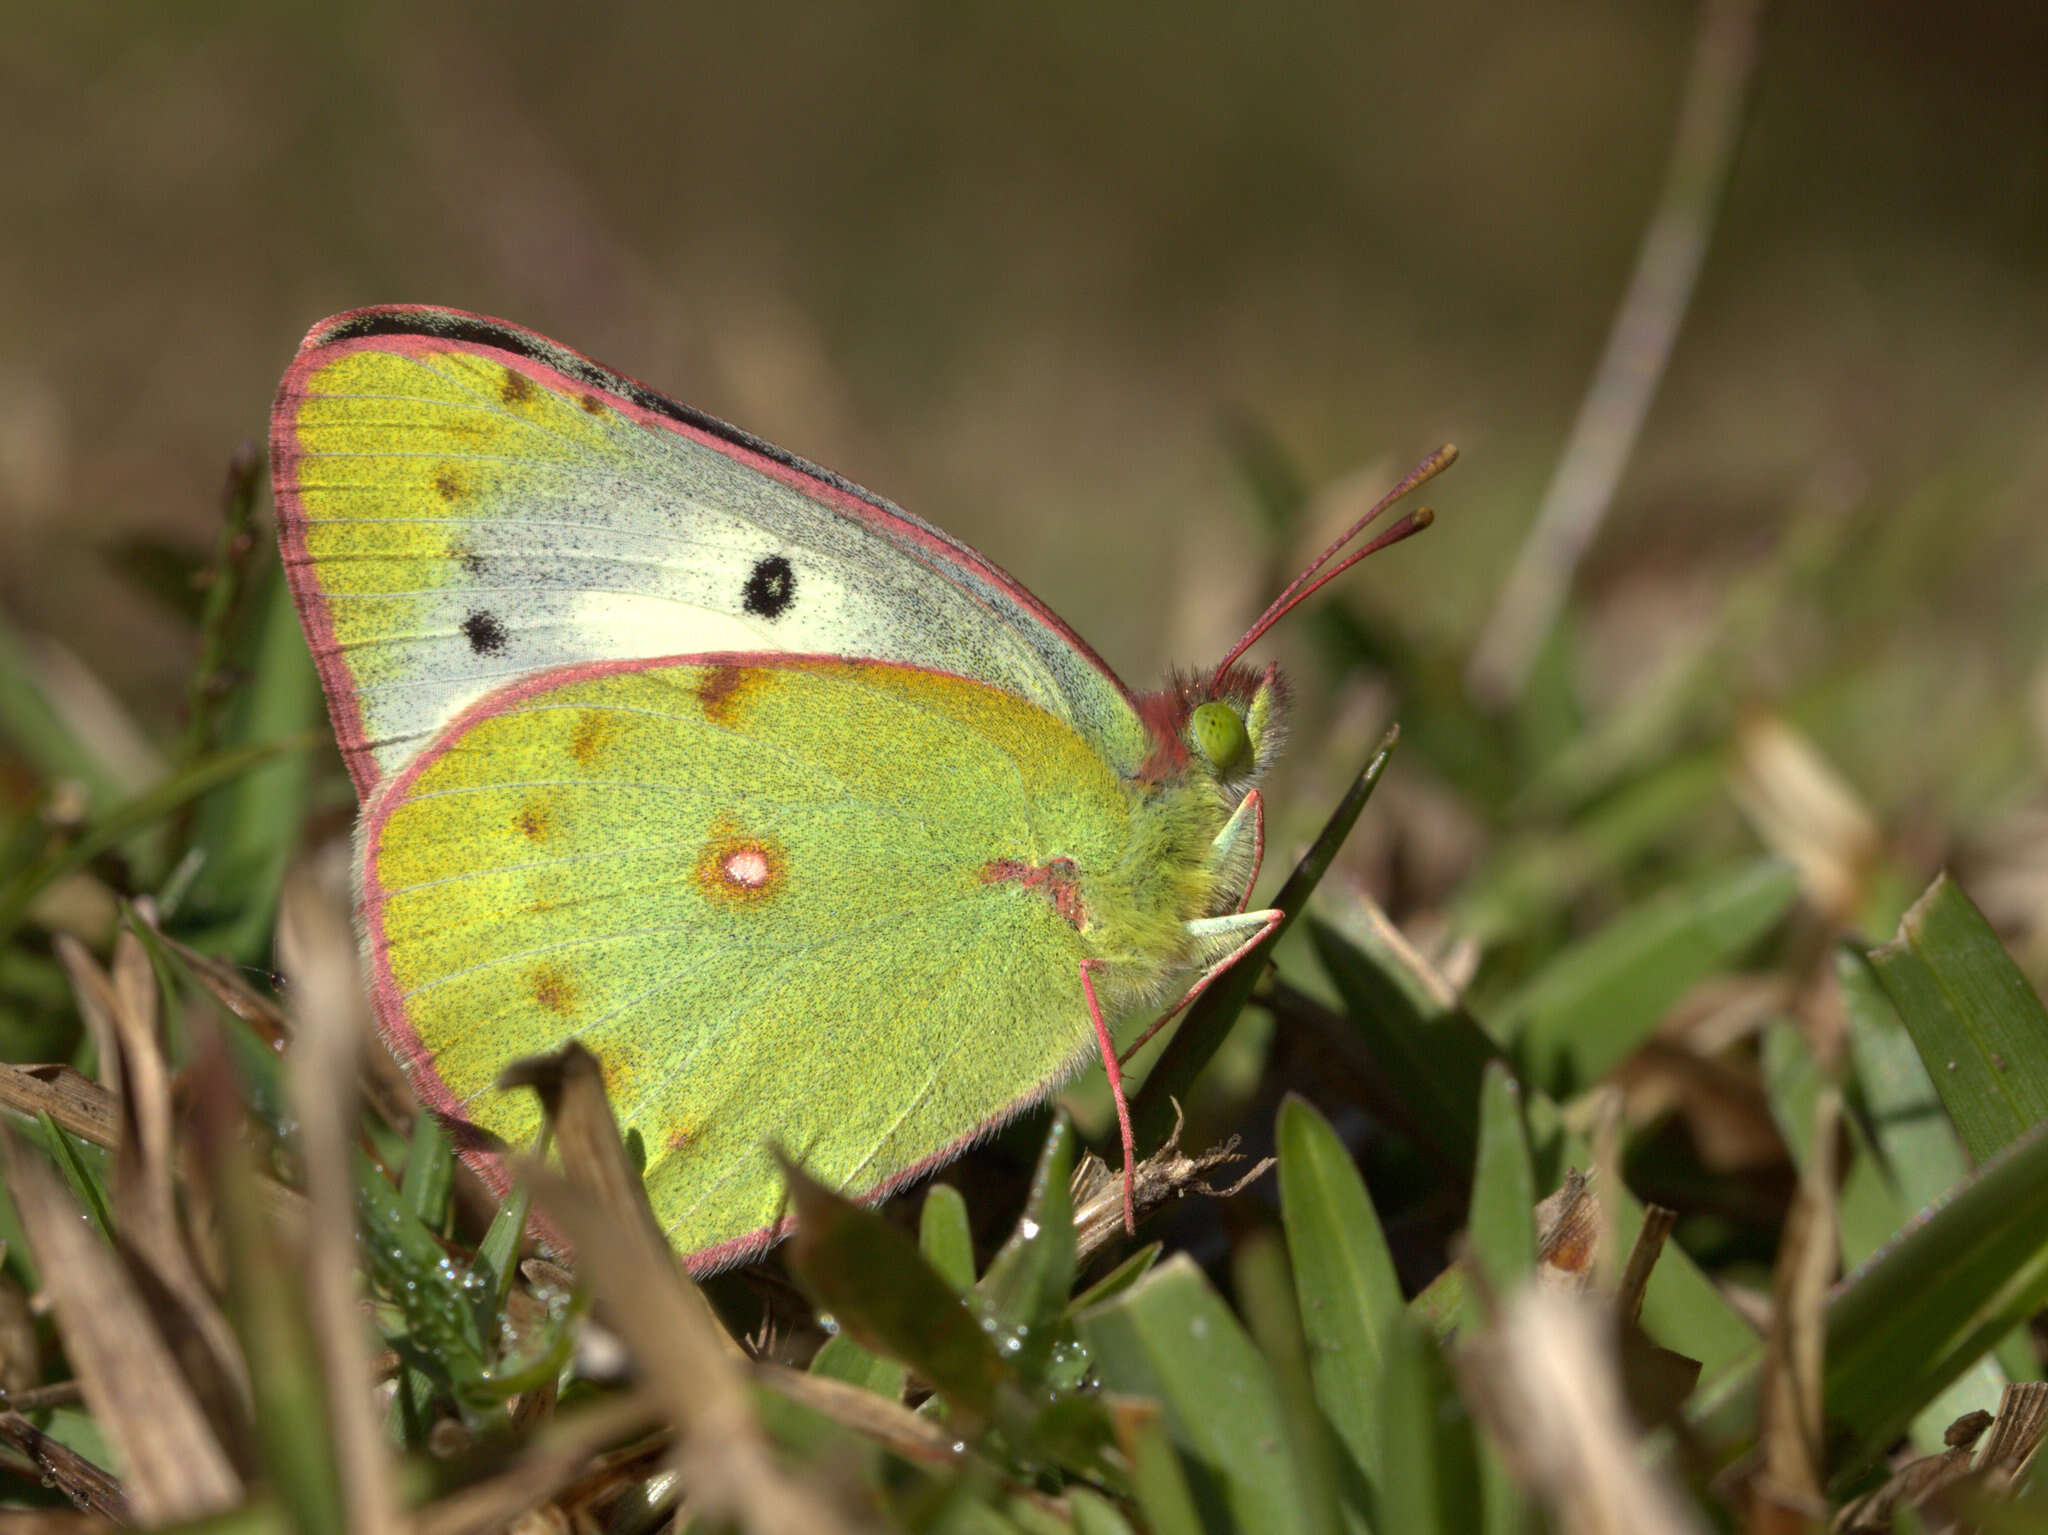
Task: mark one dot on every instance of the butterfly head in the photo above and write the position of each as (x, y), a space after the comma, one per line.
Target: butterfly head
(1227, 725)
(1224, 727)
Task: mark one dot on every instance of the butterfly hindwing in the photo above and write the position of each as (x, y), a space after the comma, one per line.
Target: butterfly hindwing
(777, 896)
(463, 503)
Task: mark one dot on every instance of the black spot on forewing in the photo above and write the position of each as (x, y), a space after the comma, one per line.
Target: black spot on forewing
(486, 635)
(771, 588)
(472, 563)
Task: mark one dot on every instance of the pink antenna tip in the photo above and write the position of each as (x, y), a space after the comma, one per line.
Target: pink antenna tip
(1316, 577)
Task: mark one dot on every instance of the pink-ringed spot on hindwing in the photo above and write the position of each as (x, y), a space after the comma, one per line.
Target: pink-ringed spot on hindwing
(738, 870)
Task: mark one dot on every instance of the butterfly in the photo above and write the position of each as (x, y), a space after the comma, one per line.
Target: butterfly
(818, 829)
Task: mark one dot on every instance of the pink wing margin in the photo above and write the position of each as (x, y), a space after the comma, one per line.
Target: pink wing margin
(422, 330)
(483, 1154)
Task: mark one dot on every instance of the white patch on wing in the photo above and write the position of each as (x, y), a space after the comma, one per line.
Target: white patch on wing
(630, 624)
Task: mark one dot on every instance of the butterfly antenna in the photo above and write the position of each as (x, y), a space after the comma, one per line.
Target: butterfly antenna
(1316, 577)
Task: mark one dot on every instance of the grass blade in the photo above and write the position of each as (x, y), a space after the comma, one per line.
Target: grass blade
(1266, 1295)
(1118, 1279)
(133, 815)
(840, 1358)
(1595, 1003)
(1424, 1041)
(1161, 1482)
(948, 1246)
(1343, 1275)
(247, 830)
(945, 1237)
(870, 1276)
(1907, 1323)
(1428, 1476)
(1922, 1159)
(429, 1175)
(1172, 1338)
(1974, 1019)
(87, 1185)
(1024, 1292)
(1502, 1228)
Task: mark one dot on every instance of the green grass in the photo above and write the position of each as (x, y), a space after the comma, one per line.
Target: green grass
(1638, 974)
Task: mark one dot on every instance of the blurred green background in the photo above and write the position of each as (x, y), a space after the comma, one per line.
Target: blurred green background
(1140, 300)
(1020, 268)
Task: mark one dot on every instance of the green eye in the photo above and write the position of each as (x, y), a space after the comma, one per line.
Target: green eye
(1219, 734)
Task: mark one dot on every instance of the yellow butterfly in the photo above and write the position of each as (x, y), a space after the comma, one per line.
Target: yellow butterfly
(816, 827)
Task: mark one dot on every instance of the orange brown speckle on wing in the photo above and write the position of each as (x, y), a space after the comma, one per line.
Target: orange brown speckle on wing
(723, 689)
(593, 728)
(620, 1066)
(554, 990)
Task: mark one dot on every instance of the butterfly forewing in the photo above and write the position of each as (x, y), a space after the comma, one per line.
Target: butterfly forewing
(463, 503)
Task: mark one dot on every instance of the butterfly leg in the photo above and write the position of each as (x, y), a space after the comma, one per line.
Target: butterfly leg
(1237, 854)
(1113, 1069)
(1239, 849)
(1251, 926)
